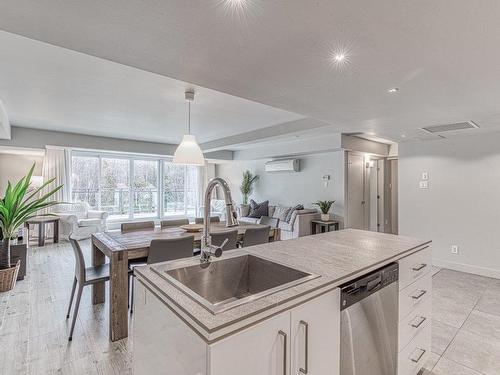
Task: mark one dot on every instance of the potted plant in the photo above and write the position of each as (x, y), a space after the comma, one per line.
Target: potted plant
(246, 186)
(325, 207)
(17, 206)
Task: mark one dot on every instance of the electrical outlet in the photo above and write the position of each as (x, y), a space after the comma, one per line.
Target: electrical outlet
(425, 176)
(454, 249)
(423, 184)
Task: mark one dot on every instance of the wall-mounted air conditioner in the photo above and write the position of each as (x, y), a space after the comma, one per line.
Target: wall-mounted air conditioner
(283, 165)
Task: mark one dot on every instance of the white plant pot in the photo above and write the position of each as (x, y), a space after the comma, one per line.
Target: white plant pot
(325, 217)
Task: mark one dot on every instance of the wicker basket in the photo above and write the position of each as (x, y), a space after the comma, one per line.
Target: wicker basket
(8, 277)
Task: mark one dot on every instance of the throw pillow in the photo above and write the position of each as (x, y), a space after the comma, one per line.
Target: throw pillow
(281, 212)
(292, 210)
(257, 210)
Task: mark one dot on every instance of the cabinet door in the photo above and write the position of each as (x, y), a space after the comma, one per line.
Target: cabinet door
(315, 330)
(263, 349)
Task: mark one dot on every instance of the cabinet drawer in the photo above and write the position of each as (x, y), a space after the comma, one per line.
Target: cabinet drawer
(412, 358)
(414, 295)
(413, 267)
(414, 323)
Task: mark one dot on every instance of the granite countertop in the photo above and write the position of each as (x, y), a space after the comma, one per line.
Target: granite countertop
(336, 257)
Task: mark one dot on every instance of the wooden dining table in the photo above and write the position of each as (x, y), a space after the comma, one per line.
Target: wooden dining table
(119, 247)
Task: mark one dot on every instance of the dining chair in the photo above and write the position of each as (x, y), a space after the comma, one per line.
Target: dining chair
(256, 236)
(84, 276)
(219, 238)
(174, 222)
(163, 250)
(213, 219)
(132, 227)
(273, 222)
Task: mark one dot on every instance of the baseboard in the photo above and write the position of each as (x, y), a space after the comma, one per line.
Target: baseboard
(483, 271)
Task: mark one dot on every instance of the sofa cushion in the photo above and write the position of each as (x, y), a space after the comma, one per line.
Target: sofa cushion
(249, 220)
(257, 210)
(292, 210)
(280, 213)
(270, 213)
(285, 226)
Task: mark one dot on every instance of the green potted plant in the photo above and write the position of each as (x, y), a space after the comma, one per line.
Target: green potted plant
(16, 207)
(325, 207)
(246, 186)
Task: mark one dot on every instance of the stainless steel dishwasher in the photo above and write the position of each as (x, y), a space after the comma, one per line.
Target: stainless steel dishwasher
(369, 323)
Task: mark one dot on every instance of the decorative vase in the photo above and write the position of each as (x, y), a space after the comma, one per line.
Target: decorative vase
(325, 217)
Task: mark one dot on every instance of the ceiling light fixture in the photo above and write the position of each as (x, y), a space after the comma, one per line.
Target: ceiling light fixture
(189, 152)
(340, 56)
(393, 90)
(234, 6)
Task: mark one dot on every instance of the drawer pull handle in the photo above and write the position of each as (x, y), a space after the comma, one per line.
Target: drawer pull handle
(419, 295)
(305, 370)
(285, 339)
(421, 321)
(419, 267)
(419, 357)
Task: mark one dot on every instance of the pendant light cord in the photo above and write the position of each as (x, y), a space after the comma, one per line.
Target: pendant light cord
(189, 117)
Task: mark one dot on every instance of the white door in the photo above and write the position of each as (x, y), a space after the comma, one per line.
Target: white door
(356, 213)
(315, 329)
(263, 349)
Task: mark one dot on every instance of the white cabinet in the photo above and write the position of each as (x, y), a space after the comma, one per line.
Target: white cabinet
(415, 309)
(262, 349)
(315, 339)
(304, 340)
(165, 344)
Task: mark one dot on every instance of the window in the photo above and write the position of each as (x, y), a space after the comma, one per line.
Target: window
(180, 190)
(145, 188)
(134, 188)
(115, 187)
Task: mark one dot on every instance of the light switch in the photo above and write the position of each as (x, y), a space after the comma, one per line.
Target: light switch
(425, 176)
(424, 184)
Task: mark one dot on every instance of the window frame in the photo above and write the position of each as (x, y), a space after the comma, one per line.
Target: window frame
(160, 214)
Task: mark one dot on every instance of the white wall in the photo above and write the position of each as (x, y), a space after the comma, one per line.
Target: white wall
(13, 167)
(462, 204)
(290, 189)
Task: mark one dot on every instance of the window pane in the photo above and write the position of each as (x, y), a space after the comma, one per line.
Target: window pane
(173, 189)
(145, 185)
(115, 187)
(191, 190)
(84, 180)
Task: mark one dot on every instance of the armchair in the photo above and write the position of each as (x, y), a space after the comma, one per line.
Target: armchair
(79, 220)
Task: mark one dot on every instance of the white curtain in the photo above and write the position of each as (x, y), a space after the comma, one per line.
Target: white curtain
(57, 164)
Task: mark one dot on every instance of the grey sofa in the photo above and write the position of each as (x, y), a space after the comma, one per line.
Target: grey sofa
(298, 226)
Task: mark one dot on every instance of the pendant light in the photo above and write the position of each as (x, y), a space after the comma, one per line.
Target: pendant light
(189, 152)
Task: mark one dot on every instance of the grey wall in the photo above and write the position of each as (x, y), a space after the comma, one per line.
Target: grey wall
(290, 189)
(13, 167)
(461, 206)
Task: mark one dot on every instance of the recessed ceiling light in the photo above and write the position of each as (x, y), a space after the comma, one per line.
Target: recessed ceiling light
(340, 56)
(403, 136)
(393, 89)
(234, 6)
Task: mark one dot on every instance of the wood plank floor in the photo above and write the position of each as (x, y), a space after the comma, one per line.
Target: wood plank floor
(34, 329)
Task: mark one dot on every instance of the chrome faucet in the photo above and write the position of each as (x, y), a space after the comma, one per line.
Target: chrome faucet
(207, 249)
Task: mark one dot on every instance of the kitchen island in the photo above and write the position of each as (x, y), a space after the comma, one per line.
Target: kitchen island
(290, 331)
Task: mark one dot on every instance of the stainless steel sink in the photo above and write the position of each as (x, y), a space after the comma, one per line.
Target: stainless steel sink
(231, 282)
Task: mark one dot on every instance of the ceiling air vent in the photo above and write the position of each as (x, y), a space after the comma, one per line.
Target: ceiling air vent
(451, 127)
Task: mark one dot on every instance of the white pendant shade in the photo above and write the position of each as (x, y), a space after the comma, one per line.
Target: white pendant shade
(188, 152)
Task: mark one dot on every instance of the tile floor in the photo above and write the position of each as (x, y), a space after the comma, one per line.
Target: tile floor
(33, 328)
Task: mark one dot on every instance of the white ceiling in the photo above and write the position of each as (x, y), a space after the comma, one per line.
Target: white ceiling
(49, 87)
(443, 55)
